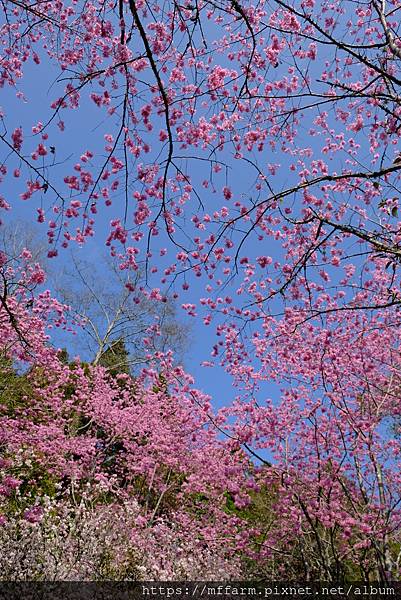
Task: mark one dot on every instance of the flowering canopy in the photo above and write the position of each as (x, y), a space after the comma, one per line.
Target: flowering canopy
(300, 253)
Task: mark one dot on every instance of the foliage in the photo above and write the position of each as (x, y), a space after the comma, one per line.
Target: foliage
(115, 358)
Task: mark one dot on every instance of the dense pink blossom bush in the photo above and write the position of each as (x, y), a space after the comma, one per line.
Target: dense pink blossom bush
(105, 476)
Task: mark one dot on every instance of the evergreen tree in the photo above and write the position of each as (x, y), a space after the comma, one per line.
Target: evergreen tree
(116, 358)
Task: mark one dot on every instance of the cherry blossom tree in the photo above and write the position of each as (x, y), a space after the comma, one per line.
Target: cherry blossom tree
(334, 477)
(80, 449)
(299, 253)
(188, 88)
